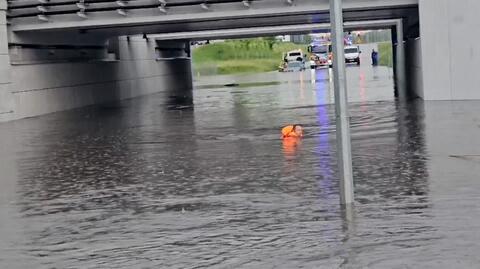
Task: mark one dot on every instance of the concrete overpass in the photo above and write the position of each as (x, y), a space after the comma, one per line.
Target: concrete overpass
(115, 18)
(60, 54)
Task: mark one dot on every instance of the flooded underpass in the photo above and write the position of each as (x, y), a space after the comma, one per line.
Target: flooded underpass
(143, 184)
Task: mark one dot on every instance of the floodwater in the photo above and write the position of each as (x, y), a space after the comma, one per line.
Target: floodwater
(143, 184)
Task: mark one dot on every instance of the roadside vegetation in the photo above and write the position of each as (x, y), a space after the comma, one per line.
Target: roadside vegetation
(385, 53)
(241, 56)
(255, 55)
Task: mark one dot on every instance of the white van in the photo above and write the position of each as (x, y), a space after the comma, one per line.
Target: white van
(352, 54)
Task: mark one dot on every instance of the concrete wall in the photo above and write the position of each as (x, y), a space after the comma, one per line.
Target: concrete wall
(6, 99)
(413, 54)
(450, 49)
(39, 88)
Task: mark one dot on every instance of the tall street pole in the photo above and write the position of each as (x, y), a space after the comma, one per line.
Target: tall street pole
(344, 151)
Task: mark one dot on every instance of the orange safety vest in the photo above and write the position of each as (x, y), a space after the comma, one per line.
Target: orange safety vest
(289, 131)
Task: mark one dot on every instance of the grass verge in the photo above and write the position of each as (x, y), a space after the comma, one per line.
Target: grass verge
(241, 56)
(385, 51)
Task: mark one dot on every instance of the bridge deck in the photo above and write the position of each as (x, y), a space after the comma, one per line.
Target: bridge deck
(108, 17)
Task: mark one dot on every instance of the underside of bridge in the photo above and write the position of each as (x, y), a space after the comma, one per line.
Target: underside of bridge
(107, 18)
(82, 52)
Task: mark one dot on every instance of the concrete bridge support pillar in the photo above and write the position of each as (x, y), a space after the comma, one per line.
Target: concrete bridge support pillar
(6, 97)
(176, 55)
(413, 55)
(399, 61)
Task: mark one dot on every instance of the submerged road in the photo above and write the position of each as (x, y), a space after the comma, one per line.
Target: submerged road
(142, 184)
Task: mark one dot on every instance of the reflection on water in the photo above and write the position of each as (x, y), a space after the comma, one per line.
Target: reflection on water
(139, 185)
(290, 146)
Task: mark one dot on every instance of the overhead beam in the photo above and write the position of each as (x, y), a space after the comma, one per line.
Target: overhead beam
(272, 30)
(111, 19)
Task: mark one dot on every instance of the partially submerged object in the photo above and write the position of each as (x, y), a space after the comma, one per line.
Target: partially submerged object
(294, 130)
(292, 67)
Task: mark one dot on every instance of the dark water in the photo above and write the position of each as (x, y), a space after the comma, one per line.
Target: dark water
(142, 184)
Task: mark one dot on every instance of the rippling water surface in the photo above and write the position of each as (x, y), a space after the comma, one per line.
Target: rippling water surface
(143, 184)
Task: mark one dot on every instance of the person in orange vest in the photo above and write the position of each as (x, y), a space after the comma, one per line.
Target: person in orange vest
(292, 131)
(291, 139)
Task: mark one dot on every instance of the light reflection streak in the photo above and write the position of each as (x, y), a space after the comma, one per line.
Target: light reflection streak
(323, 144)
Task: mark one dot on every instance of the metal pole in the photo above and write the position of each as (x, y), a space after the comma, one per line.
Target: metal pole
(344, 151)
